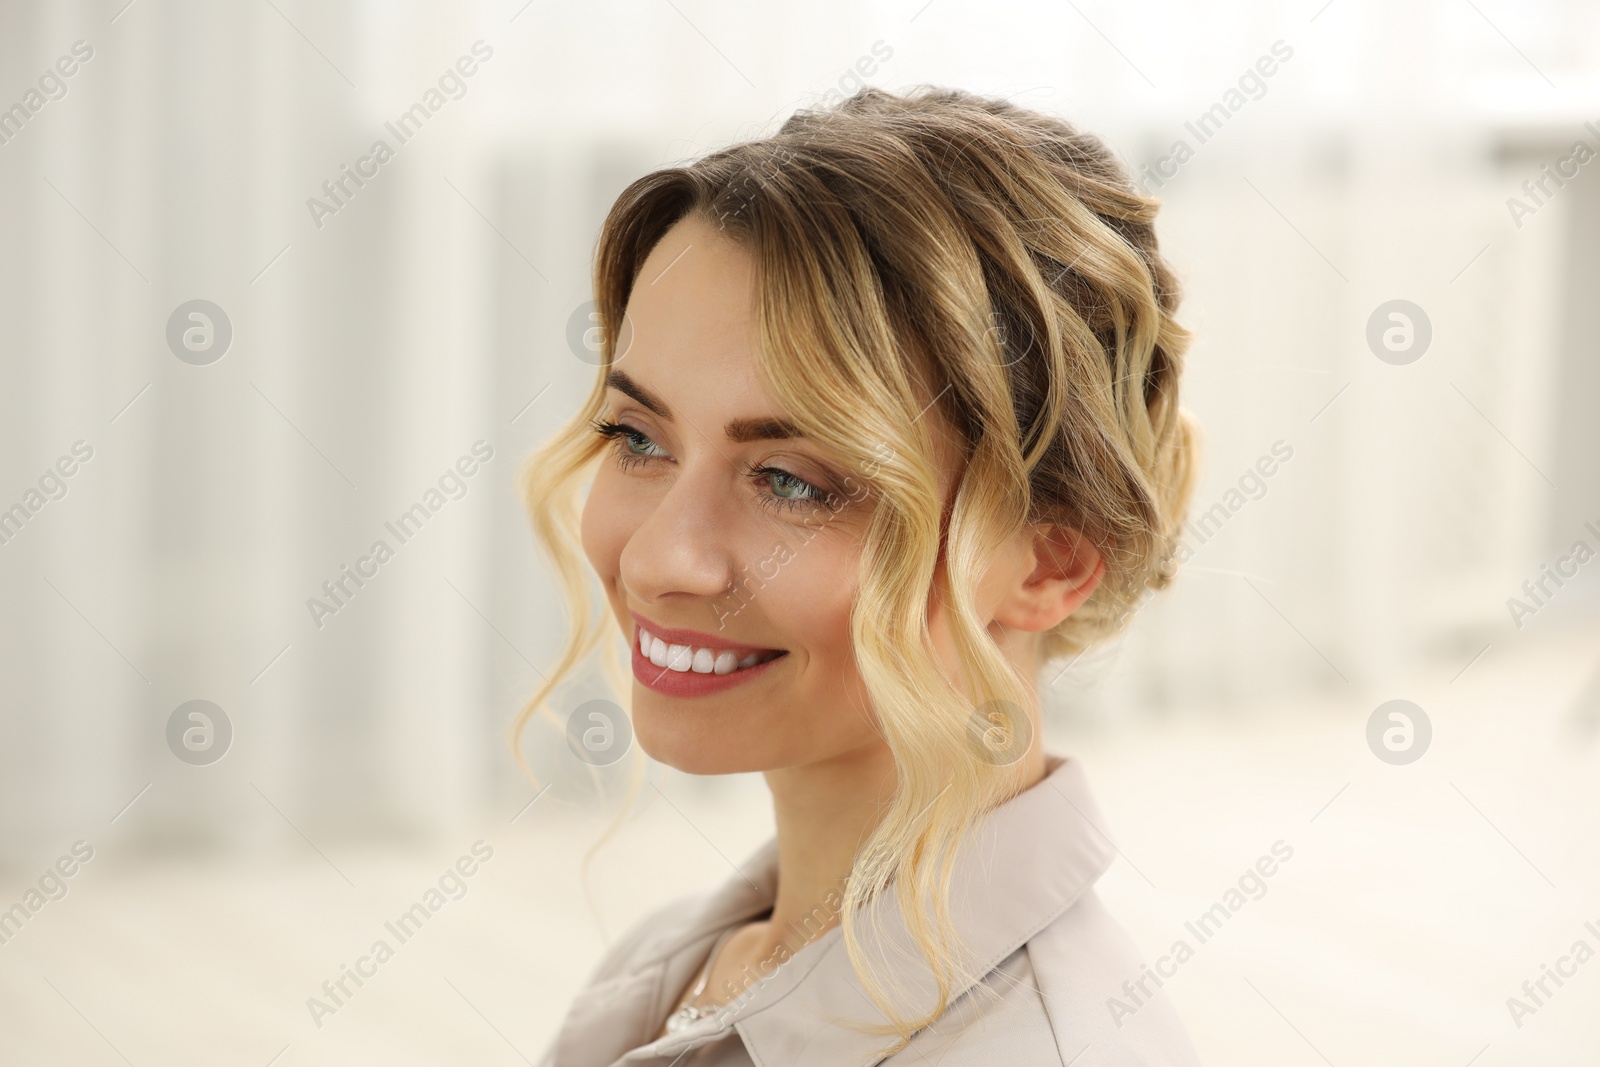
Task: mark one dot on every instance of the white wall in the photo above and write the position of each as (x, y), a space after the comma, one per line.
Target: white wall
(425, 314)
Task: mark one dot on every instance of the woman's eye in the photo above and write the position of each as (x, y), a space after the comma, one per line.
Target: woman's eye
(789, 491)
(777, 488)
(787, 485)
(638, 444)
(631, 445)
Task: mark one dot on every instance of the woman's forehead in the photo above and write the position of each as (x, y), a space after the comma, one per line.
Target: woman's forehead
(693, 319)
(694, 261)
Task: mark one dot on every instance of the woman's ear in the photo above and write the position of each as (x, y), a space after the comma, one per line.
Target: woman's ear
(1060, 568)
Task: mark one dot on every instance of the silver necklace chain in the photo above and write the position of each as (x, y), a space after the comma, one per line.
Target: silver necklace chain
(691, 1012)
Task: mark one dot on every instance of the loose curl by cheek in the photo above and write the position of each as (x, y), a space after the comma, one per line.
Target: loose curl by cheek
(931, 264)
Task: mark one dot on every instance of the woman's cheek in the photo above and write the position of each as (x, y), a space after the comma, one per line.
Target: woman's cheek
(812, 595)
(599, 530)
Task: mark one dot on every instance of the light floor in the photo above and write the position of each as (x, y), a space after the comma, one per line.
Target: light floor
(1415, 904)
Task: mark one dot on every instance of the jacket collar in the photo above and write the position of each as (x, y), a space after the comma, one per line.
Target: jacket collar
(1021, 866)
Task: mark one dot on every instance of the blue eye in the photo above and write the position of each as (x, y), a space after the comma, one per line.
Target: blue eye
(805, 492)
(786, 491)
(627, 439)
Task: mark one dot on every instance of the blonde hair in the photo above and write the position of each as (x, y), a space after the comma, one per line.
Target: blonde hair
(949, 253)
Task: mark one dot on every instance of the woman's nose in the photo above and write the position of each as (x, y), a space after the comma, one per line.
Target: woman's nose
(685, 545)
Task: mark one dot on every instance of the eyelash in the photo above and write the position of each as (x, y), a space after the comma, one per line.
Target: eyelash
(623, 435)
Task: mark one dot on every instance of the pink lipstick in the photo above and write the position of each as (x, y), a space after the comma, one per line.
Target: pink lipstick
(692, 663)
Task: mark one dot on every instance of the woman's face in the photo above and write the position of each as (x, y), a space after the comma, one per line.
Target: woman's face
(702, 519)
(714, 533)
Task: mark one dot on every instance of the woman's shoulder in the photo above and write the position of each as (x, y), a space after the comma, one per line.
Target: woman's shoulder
(1051, 1001)
(1065, 974)
(1105, 1003)
(611, 1009)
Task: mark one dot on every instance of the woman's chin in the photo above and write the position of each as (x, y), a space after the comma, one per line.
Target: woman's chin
(686, 746)
(696, 760)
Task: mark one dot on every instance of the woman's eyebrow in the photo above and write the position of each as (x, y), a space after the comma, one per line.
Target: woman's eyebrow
(622, 383)
(740, 431)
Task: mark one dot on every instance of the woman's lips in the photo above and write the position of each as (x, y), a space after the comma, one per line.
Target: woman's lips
(672, 635)
(692, 683)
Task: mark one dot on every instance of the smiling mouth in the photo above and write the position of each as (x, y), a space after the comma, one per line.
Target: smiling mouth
(694, 659)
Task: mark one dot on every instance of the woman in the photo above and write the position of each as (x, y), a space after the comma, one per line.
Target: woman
(887, 417)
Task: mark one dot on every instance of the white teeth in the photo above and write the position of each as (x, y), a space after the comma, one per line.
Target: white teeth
(685, 658)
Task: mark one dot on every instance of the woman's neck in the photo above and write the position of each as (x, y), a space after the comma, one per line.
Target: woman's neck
(823, 811)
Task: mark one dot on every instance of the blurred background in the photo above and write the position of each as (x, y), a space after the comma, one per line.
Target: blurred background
(238, 343)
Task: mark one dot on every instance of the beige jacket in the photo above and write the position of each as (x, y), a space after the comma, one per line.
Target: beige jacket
(1059, 973)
